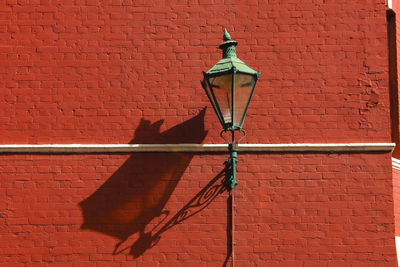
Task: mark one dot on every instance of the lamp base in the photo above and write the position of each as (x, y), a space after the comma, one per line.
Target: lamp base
(231, 168)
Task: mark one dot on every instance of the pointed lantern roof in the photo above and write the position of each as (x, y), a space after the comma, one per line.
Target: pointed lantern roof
(229, 60)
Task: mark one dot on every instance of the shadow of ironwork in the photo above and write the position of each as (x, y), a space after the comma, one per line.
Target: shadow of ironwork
(198, 203)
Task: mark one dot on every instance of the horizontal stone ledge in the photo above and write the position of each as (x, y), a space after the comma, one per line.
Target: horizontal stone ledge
(196, 148)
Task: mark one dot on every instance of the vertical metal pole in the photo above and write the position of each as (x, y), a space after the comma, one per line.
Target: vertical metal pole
(232, 159)
(232, 227)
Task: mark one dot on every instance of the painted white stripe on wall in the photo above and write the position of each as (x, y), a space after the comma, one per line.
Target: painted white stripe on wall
(131, 148)
(397, 238)
(396, 164)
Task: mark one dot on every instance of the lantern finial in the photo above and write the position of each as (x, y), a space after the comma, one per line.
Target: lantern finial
(227, 36)
(228, 46)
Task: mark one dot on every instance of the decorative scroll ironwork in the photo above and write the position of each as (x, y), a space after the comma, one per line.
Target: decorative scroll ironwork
(203, 198)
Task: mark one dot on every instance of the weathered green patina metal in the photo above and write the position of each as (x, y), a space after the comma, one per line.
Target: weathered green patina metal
(229, 85)
(229, 59)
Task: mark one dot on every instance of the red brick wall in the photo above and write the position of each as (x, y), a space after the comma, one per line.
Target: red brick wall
(88, 71)
(289, 209)
(109, 71)
(394, 45)
(396, 9)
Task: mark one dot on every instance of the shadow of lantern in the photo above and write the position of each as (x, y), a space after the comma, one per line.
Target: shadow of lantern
(138, 191)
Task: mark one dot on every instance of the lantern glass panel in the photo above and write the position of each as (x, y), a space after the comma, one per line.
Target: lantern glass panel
(210, 96)
(222, 88)
(244, 84)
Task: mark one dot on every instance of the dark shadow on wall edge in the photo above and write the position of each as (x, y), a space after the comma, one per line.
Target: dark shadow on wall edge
(135, 195)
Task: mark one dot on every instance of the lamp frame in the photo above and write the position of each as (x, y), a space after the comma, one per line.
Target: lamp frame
(233, 71)
(229, 65)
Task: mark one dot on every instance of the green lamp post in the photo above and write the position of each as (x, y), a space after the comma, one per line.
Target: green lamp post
(229, 85)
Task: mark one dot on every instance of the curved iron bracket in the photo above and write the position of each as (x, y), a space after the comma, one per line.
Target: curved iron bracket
(222, 136)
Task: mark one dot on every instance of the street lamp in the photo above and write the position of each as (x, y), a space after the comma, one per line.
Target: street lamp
(229, 85)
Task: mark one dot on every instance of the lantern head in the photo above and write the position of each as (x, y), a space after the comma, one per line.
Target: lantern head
(229, 85)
